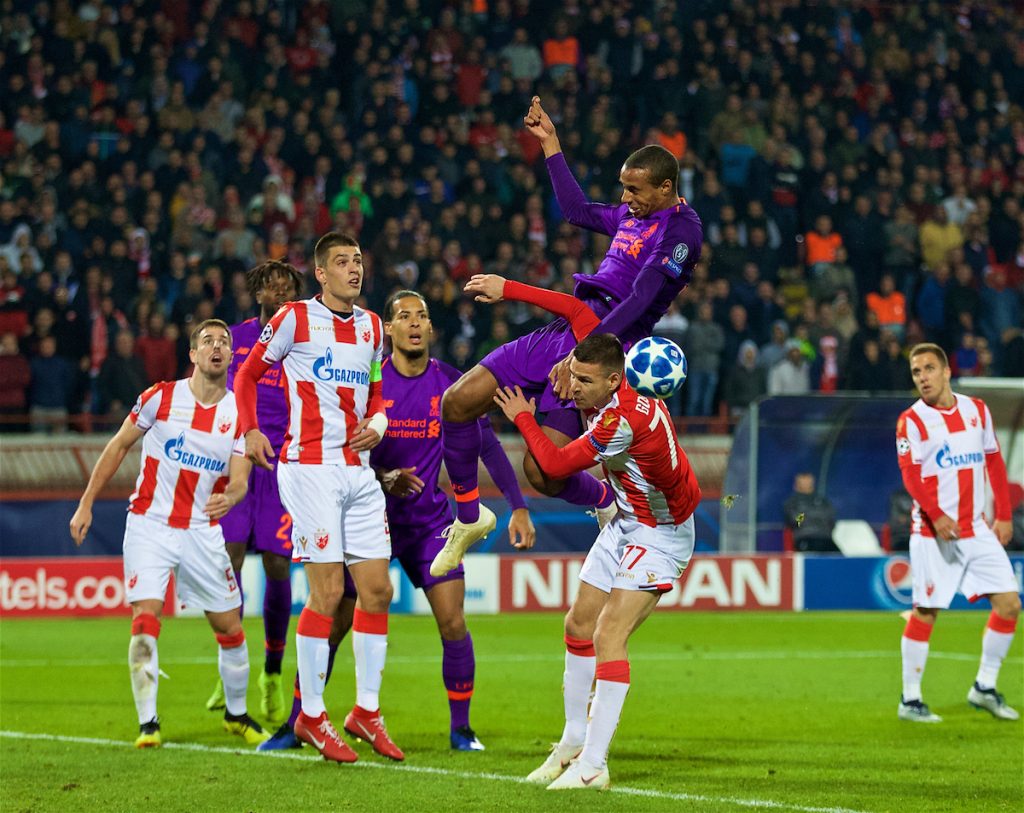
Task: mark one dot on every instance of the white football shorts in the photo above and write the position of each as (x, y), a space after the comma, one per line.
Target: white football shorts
(203, 576)
(338, 513)
(629, 556)
(977, 566)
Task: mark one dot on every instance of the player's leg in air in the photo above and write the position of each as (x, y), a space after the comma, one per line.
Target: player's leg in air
(577, 682)
(995, 644)
(471, 397)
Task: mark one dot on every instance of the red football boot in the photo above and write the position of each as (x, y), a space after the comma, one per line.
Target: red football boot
(318, 732)
(369, 726)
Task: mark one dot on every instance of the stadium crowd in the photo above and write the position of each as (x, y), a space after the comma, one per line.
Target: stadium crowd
(858, 166)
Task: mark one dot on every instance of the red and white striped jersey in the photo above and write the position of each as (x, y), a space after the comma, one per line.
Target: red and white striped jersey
(332, 369)
(950, 446)
(185, 453)
(636, 443)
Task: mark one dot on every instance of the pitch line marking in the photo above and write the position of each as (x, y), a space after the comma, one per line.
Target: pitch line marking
(424, 769)
(823, 655)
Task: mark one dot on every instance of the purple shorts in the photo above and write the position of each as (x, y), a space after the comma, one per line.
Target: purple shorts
(527, 361)
(414, 548)
(260, 520)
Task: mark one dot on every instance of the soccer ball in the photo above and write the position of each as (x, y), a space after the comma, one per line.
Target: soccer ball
(656, 367)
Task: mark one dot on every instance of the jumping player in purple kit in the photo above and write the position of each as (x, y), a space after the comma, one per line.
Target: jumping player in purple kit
(408, 463)
(656, 240)
(260, 522)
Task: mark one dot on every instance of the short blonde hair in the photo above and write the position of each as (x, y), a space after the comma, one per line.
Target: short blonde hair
(193, 341)
(929, 347)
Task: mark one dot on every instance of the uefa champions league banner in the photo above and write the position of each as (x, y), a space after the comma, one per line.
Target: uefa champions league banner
(872, 583)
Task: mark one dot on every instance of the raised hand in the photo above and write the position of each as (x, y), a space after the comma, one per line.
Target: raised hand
(489, 288)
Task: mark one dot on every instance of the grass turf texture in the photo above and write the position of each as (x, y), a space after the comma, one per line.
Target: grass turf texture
(726, 712)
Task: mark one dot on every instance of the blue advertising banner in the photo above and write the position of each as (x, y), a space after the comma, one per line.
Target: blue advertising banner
(870, 583)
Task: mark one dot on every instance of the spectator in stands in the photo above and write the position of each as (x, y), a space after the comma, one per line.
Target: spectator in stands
(791, 375)
(122, 377)
(939, 236)
(51, 388)
(931, 304)
(705, 341)
(810, 517)
(828, 279)
(889, 306)
(157, 350)
(16, 375)
(673, 326)
(902, 253)
(746, 380)
(869, 371)
(774, 351)
(821, 243)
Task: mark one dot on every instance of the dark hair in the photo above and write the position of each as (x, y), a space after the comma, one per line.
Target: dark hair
(259, 277)
(601, 348)
(329, 241)
(193, 340)
(929, 347)
(389, 306)
(660, 164)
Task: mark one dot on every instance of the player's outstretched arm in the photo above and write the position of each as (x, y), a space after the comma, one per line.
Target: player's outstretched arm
(578, 455)
(106, 466)
(238, 484)
(492, 288)
(574, 204)
(521, 533)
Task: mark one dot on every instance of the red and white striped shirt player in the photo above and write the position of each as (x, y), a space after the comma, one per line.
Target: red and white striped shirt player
(185, 451)
(331, 352)
(945, 455)
(636, 558)
(946, 445)
(194, 470)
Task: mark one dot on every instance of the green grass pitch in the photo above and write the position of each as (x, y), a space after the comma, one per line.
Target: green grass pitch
(727, 712)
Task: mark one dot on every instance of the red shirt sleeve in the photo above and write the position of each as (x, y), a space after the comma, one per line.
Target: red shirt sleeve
(1000, 485)
(581, 318)
(554, 462)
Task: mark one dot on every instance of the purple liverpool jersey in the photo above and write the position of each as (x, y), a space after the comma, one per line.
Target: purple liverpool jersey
(414, 439)
(271, 394)
(667, 242)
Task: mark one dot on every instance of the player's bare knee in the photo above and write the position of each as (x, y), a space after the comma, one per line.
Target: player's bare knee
(276, 567)
(453, 627)
(577, 626)
(1006, 605)
(457, 406)
(537, 479)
